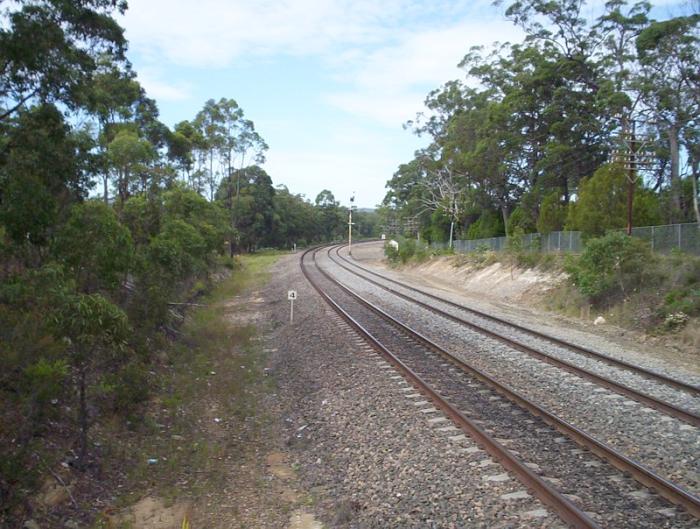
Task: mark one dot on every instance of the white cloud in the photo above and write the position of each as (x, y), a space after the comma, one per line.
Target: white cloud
(161, 90)
(387, 54)
(389, 84)
(216, 32)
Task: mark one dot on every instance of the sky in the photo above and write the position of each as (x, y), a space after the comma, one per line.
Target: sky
(329, 84)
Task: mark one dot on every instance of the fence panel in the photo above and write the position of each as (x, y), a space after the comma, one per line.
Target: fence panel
(662, 239)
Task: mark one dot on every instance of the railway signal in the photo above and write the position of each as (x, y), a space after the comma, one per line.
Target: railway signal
(350, 223)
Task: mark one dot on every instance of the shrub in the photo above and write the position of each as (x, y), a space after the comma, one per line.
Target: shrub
(602, 203)
(611, 266)
(391, 252)
(520, 221)
(409, 249)
(489, 224)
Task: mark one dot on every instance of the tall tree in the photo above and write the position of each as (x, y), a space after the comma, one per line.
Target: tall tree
(669, 53)
(49, 49)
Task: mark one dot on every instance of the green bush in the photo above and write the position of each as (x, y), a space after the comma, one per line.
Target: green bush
(409, 249)
(391, 253)
(602, 203)
(520, 221)
(611, 266)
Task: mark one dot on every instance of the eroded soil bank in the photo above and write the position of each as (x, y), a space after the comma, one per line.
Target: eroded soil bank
(522, 294)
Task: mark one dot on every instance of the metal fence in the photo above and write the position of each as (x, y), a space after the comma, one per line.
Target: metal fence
(662, 239)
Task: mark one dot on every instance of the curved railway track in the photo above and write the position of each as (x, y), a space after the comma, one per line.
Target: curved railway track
(688, 416)
(450, 386)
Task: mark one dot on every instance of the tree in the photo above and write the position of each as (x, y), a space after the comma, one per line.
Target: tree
(602, 203)
(253, 210)
(95, 247)
(208, 121)
(669, 83)
(443, 192)
(111, 96)
(49, 49)
(130, 155)
(96, 331)
(552, 213)
(39, 174)
(331, 218)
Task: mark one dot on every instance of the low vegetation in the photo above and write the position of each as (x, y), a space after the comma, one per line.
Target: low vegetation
(204, 408)
(616, 275)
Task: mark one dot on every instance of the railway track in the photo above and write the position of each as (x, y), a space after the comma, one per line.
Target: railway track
(474, 401)
(669, 408)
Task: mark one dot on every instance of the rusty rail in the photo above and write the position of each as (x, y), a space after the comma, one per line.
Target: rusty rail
(642, 474)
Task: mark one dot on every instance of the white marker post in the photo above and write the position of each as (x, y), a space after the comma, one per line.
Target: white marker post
(291, 296)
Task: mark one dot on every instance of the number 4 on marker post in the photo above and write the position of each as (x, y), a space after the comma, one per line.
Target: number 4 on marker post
(291, 296)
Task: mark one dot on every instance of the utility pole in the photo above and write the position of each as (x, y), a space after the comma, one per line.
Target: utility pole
(633, 156)
(631, 177)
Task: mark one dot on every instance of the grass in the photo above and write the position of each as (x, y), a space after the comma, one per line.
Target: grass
(206, 405)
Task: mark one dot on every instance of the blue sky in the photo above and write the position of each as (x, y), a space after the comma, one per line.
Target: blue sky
(327, 83)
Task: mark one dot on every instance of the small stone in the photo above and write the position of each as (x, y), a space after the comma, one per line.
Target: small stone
(497, 478)
(519, 495)
(640, 494)
(450, 428)
(537, 513)
(599, 321)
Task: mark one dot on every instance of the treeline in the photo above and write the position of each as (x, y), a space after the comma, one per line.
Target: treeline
(546, 135)
(109, 222)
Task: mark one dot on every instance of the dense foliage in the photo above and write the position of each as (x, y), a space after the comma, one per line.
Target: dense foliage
(110, 221)
(541, 143)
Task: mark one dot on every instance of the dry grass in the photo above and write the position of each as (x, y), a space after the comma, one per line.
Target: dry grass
(202, 413)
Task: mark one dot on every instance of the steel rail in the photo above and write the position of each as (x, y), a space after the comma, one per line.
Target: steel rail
(690, 388)
(563, 507)
(643, 398)
(641, 473)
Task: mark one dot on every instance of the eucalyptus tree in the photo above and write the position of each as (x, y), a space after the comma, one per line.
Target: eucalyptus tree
(208, 122)
(129, 156)
(40, 175)
(669, 54)
(49, 49)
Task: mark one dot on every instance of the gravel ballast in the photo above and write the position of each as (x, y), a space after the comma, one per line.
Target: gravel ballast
(368, 454)
(577, 473)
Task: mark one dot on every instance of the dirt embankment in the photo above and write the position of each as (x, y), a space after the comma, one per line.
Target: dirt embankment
(535, 298)
(497, 282)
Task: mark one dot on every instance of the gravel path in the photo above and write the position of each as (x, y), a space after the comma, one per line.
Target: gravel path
(368, 455)
(664, 444)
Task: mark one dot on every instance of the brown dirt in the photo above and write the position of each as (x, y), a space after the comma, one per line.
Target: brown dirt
(153, 513)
